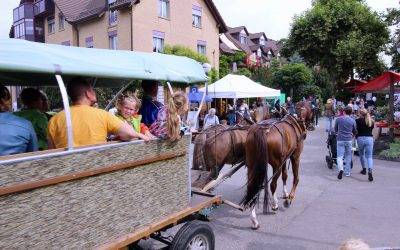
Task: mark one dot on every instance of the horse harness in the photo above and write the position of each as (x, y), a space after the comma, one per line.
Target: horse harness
(300, 137)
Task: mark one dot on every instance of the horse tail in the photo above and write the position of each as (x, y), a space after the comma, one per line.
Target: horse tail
(257, 162)
(198, 152)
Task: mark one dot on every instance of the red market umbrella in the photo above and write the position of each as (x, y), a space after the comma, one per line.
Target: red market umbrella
(380, 84)
(354, 83)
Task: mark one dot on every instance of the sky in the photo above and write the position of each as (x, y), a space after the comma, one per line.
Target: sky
(270, 16)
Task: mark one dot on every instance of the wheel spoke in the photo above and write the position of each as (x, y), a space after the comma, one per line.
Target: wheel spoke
(199, 242)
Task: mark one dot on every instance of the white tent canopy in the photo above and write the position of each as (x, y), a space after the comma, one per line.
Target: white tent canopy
(239, 86)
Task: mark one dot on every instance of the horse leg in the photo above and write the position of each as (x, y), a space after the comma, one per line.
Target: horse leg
(284, 180)
(273, 186)
(254, 220)
(295, 159)
(222, 177)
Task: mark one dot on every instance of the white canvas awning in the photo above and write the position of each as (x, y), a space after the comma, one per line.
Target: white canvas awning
(239, 86)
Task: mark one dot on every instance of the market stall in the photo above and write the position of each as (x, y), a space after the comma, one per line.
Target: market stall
(388, 82)
(239, 86)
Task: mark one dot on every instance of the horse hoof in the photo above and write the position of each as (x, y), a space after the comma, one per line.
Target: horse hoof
(256, 226)
(275, 208)
(287, 203)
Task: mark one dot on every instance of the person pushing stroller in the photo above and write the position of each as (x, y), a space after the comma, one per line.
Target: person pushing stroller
(346, 128)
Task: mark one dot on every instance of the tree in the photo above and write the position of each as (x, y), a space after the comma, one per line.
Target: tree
(321, 79)
(291, 77)
(392, 17)
(180, 50)
(226, 62)
(340, 36)
(261, 75)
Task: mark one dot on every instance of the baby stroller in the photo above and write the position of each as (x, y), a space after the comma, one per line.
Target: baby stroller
(331, 144)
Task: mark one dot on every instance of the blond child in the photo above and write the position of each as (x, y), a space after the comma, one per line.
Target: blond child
(168, 123)
(127, 107)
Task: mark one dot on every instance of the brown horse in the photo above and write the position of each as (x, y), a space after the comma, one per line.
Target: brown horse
(274, 142)
(219, 145)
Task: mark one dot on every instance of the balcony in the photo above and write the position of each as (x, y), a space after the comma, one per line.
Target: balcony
(24, 11)
(44, 8)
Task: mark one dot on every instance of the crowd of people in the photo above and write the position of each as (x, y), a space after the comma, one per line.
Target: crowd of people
(31, 129)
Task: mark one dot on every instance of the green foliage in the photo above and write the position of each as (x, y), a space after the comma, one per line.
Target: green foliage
(226, 61)
(213, 75)
(393, 151)
(381, 113)
(243, 71)
(321, 79)
(338, 35)
(261, 75)
(55, 99)
(180, 50)
(307, 90)
(290, 77)
(392, 17)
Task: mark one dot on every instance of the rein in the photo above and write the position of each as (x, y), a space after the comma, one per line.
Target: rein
(298, 130)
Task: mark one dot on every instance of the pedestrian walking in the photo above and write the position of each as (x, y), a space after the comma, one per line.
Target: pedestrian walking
(345, 127)
(329, 114)
(316, 111)
(365, 142)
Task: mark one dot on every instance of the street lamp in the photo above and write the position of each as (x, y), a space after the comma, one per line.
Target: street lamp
(207, 68)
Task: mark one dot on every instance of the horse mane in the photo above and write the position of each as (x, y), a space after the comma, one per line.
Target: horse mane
(246, 119)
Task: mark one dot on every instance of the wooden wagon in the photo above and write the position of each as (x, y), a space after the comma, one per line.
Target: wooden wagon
(104, 196)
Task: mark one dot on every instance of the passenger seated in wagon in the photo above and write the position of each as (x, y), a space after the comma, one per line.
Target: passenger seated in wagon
(127, 107)
(17, 134)
(168, 123)
(150, 105)
(90, 125)
(32, 100)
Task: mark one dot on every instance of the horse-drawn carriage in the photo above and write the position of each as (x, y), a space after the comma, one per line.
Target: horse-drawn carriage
(100, 196)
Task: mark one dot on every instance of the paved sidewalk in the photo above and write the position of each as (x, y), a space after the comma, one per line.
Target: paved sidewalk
(326, 210)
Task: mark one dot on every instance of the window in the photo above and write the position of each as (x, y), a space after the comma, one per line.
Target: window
(113, 17)
(89, 42)
(29, 29)
(158, 41)
(19, 29)
(196, 16)
(158, 44)
(163, 8)
(259, 53)
(243, 39)
(16, 15)
(113, 40)
(61, 22)
(202, 47)
(262, 41)
(51, 25)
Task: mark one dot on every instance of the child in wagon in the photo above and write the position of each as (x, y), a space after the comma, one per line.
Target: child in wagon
(127, 107)
(168, 122)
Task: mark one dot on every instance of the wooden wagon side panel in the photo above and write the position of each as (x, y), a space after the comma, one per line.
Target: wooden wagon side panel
(88, 212)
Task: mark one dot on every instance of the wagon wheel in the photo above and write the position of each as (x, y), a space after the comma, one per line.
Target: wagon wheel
(194, 235)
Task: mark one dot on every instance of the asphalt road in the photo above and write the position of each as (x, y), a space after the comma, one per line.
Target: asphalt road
(326, 211)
